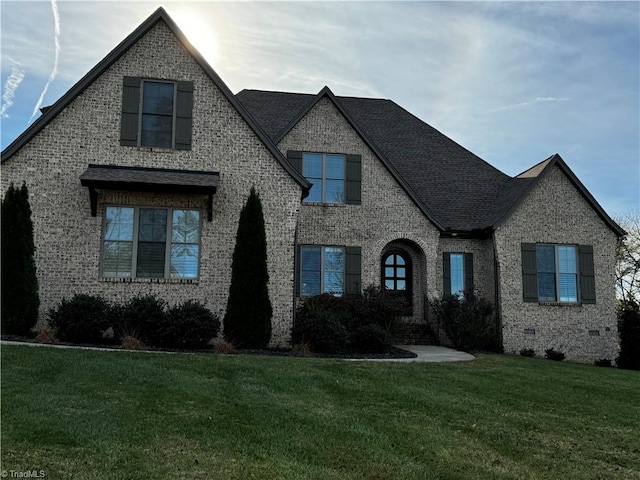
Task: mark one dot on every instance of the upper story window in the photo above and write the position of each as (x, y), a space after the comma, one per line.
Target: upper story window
(151, 242)
(336, 178)
(156, 113)
(558, 273)
(156, 127)
(327, 173)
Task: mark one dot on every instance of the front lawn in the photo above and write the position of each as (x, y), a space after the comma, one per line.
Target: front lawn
(103, 415)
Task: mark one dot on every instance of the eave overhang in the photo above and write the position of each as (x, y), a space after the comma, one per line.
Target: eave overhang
(157, 180)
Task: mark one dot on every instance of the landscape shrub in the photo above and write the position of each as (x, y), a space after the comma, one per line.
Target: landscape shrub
(19, 283)
(629, 331)
(45, 335)
(247, 321)
(528, 352)
(376, 309)
(140, 317)
(371, 338)
(83, 319)
(188, 325)
(468, 322)
(222, 346)
(323, 330)
(378, 306)
(551, 354)
(603, 362)
(131, 342)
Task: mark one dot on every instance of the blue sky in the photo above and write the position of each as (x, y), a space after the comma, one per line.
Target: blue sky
(513, 82)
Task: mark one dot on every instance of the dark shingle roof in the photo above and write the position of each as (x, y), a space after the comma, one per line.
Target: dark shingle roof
(457, 190)
(455, 185)
(189, 181)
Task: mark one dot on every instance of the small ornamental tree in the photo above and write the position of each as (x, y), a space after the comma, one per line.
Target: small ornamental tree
(20, 301)
(247, 322)
(629, 330)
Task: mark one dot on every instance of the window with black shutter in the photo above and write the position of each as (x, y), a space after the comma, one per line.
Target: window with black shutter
(156, 113)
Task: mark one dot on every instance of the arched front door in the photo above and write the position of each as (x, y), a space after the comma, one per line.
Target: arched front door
(396, 273)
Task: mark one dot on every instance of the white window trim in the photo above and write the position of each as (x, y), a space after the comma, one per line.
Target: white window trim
(135, 241)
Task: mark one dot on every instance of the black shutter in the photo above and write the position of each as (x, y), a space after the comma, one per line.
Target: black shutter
(468, 275)
(446, 273)
(354, 180)
(295, 159)
(529, 273)
(587, 274)
(184, 115)
(130, 111)
(353, 271)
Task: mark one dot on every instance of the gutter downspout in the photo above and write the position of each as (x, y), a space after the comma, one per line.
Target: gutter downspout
(496, 281)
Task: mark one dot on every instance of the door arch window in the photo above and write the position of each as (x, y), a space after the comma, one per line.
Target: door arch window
(396, 272)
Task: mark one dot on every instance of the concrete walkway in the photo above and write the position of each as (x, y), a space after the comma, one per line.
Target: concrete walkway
(428, 354)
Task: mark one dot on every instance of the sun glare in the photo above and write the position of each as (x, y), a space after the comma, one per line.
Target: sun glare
(200, 33)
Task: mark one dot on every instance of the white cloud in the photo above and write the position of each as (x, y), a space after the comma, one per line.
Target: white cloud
(10, 87)
(54, 71)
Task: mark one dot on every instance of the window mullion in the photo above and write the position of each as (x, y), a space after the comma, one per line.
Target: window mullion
(556, 254)
(322, 270)
(324, 177)
(167, 247)
(134, 249)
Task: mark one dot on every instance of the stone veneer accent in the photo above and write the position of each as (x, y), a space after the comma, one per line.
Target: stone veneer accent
(68, 239)
(555, 212)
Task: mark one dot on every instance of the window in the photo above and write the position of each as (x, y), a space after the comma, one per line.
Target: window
(156, 113)
(335, 178)
(327, 174)
(156, 126)
(558, 273)
(322, 270)
(151, 242)
(396, 272)
(457, 273)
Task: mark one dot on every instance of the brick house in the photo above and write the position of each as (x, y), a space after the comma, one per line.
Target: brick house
(138, 173)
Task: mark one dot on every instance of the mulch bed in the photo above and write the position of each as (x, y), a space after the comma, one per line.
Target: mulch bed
(393, 353)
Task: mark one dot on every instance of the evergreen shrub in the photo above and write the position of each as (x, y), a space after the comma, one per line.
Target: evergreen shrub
(83, 319)
(19, 296)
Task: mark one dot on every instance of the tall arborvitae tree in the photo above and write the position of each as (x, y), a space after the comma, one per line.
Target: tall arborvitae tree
(247, 323)
(20, 301)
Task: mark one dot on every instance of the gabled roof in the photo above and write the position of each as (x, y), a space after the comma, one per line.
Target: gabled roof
(523, 183)
(458, 191)
(448, 183)
(160, 15)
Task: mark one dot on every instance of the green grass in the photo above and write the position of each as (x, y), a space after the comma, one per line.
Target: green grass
(95, 415)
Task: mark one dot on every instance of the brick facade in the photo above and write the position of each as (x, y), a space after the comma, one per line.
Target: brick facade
(386, 216)
(555, 212)
(68, 239)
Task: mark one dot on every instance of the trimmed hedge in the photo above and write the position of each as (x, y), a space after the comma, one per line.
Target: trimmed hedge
(362, 323)
(83, 319)
(92, 319)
